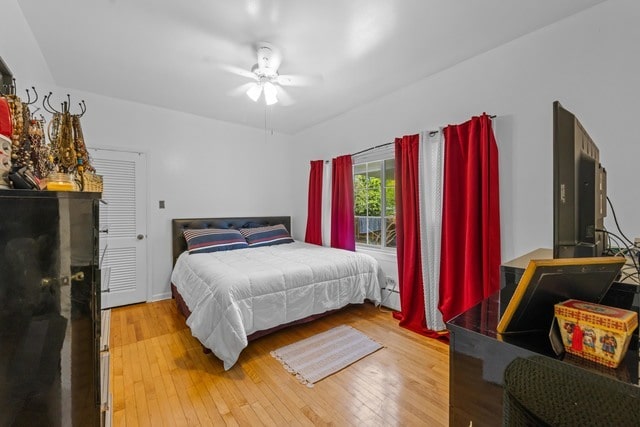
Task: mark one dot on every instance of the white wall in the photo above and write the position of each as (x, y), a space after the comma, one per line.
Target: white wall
(588, 62)
(200, 167)
(19, 50)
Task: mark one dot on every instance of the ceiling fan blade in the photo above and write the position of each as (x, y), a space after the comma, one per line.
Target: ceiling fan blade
(242, 89)
(296, 80)
(238, 71)
(284, 98)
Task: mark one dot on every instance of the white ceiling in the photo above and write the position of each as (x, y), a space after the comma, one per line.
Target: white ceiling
(166, 52)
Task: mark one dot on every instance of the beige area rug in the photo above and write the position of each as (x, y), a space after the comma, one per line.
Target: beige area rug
(321, 355)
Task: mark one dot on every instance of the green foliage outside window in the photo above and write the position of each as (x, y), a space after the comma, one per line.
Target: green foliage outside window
(375, 203)
(368, 196)
(390, 195)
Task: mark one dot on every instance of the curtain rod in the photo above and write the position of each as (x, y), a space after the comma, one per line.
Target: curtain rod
(372, 148)
(431, 133)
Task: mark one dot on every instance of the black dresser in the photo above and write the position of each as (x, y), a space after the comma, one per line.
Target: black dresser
(49, 309)
(519, 380)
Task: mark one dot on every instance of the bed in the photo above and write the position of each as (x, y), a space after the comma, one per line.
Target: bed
(232, 296)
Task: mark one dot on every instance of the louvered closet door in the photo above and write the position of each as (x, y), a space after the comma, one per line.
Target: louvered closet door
(123, 238)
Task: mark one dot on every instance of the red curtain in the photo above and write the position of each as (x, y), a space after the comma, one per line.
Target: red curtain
(470, 258)
(314, 206)
(342, 218)
(412, 316)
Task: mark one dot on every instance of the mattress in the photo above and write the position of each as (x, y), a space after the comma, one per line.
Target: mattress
(232, 294)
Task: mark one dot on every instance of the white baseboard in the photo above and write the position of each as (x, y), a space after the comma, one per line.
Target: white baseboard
(160, 297)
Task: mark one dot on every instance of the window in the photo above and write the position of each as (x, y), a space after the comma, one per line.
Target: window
(375, 203)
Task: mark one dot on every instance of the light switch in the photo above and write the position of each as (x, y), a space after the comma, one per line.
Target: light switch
(161, 204)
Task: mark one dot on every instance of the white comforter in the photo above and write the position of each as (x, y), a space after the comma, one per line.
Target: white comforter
(232, 294)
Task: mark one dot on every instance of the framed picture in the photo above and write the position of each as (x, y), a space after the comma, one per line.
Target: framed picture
(550, 281)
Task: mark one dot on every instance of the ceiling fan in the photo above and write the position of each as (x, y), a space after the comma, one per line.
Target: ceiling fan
(266, 79)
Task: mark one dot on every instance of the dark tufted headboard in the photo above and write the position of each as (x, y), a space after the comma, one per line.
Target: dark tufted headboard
(179, 244)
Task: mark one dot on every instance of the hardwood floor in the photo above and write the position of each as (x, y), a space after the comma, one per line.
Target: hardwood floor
(160, 376)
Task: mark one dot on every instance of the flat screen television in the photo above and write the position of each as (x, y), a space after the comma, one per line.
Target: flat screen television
(579, 189)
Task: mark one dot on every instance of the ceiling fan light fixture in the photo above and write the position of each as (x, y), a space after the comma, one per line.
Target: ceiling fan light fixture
(254, 92)
(266, 78)
(270, 93)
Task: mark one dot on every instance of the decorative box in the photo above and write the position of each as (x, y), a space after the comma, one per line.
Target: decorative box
(595, 332)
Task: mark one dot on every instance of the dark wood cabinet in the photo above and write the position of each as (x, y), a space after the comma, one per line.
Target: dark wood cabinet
(500, 380)
(49, 309)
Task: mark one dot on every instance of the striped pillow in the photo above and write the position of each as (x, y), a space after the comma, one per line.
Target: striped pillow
(266, 236)
(213, 239)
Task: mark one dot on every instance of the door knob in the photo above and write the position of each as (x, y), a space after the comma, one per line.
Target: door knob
(140, 236)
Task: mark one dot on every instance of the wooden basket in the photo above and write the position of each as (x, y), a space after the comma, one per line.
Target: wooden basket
(92, 182)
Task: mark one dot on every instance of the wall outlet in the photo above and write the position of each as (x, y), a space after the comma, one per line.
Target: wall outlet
(391, 284)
